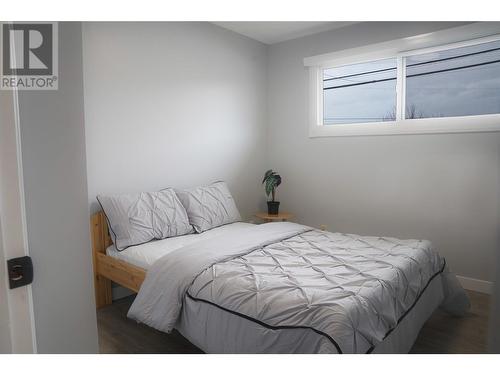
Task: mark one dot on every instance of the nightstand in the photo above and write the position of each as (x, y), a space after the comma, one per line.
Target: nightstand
(282, 216)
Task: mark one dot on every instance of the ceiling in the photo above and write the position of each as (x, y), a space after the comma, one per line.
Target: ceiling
(275, 32)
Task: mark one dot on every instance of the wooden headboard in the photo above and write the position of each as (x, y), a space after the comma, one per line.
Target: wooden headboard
(100, 242)
(100, 234)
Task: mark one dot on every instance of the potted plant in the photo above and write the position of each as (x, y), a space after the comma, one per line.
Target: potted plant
(271, 181)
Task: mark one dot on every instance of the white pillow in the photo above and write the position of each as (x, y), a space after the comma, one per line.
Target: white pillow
(135, 219)
(209, 206)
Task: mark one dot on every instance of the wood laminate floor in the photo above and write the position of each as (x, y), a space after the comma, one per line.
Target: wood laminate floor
(441, 334)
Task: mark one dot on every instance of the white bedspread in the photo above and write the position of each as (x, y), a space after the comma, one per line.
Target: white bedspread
(351, 289)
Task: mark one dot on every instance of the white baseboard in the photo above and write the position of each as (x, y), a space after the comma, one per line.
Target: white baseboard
(475, 285)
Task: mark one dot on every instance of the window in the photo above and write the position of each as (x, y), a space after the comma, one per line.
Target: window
(455, 82)
(359, 93)
(450, 88)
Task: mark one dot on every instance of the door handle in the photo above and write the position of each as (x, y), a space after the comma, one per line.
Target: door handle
(20, 271)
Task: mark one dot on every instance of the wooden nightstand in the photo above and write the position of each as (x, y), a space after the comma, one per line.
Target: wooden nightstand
(282, 216)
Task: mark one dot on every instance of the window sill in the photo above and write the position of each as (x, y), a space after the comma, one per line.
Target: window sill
(441, 125)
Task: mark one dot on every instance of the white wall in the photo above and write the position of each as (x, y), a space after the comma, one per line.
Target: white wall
(174, 104)
(494, 317)
(441, 187)
(53, 156)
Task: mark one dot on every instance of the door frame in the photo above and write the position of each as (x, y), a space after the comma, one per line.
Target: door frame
(14, 230)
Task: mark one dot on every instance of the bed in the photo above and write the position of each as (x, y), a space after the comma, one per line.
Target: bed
(280, 288)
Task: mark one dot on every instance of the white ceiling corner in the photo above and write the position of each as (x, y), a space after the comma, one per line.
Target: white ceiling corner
(275, 32)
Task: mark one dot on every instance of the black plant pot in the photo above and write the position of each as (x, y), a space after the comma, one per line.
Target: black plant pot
(273, 208)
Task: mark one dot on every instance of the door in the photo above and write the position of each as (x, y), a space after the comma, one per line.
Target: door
(17, 331)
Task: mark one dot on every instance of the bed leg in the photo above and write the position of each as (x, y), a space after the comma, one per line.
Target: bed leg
(103, 296)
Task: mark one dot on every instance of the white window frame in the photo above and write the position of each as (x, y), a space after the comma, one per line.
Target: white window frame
(438, 41)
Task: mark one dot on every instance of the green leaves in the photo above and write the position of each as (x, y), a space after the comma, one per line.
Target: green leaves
(269, 186)
(271, 181)
(267, 174)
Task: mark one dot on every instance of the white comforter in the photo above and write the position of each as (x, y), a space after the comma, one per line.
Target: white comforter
(351, 289)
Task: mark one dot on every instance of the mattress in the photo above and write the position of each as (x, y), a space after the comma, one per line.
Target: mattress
(145, 255)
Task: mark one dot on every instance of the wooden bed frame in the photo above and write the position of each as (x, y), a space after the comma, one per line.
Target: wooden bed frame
(106, 268)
